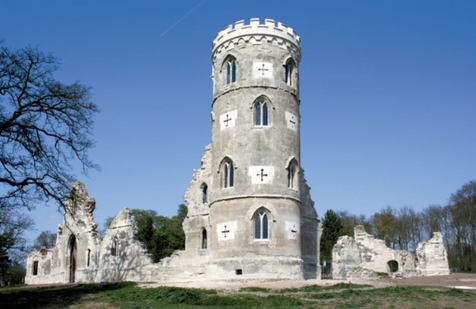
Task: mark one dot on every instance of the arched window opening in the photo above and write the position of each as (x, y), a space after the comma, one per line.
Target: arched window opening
(261, 113)
(230, 70)
(73, 252)
(292, 175)
(114, 246)
(288, 72)
(204, 238)
(261, 225)
(392, 266)
(228, 173)
(204, 193)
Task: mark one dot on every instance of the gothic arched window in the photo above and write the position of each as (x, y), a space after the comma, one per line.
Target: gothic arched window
(230, 70)
(204, 238)
(227, 171)
(114, 246)
(261, 225)
(261, 113)
(292, 174)
(204, 188)
(288, 72)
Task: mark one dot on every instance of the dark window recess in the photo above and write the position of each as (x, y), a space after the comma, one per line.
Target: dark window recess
(35, 268)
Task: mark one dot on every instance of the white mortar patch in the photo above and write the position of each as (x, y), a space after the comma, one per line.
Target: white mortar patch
(226, 231)
(227, 120)
(292, 230)
(261, 174)
(263, 70)
(291, 121)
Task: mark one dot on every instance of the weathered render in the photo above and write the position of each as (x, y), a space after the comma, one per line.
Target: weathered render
(250, 214)
(363, 256)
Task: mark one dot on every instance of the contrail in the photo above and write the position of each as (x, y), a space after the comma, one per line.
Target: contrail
(183, 17)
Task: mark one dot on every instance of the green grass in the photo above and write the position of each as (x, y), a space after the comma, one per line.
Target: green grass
(126, 295)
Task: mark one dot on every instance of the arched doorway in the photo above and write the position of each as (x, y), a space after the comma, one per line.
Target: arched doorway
(73, 254)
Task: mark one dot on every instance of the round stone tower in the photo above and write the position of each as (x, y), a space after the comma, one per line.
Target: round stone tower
(258, 196)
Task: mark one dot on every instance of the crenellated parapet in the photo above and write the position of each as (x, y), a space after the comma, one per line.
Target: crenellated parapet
(256, 33)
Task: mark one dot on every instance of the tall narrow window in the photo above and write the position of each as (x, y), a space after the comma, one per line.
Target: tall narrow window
(89, 257)
(204, 238)
(261, 113)
(204, 193)
(261, 225)
(114, 247)
(288, 72)
(230, 70)
(292, 174)
(35, 268)
(228, 173)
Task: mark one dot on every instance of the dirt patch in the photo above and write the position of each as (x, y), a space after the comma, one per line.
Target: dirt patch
(453, 280)
(272, 285)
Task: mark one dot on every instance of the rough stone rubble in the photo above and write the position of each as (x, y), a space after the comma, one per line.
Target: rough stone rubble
(363, 256)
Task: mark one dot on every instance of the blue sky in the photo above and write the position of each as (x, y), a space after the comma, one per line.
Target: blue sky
(387, 94)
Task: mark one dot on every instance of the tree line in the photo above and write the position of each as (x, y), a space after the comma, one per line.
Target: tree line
(403, 228)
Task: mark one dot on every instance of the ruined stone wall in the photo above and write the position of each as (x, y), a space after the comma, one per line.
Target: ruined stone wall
(47, 267)
(432, 256)
(79, 255)
(362, 256)
(311, 232)
(73, 257)
(197, 225)
(122, 257)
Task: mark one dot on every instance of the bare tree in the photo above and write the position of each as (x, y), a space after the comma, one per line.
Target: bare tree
(432, 218)
(350, 221)
(409, 228)
(463, 206)
(44, 126)
(46, 240)
(385, 224)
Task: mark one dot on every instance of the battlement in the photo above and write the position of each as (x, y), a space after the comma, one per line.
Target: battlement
(269, 29)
